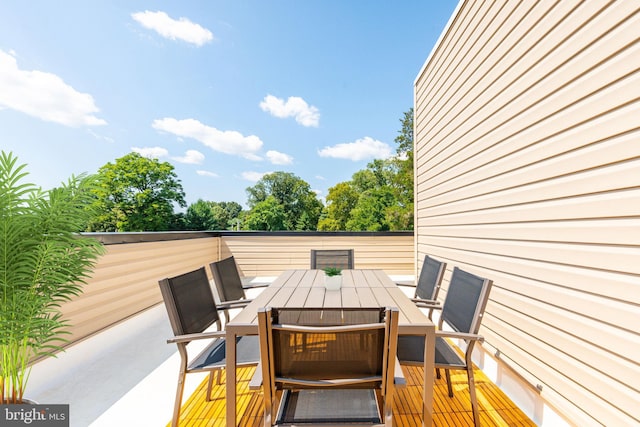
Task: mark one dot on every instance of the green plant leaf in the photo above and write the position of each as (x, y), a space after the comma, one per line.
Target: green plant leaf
(43, 262)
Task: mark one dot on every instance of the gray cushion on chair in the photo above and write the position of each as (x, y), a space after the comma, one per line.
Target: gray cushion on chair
(411, 350)
(347, 406)
(247, 352)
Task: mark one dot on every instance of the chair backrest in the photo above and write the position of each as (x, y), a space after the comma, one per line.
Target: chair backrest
(227, 279)
(430, 278)
(338, 258)
(466, 300)
(308, 347)
(189, 302)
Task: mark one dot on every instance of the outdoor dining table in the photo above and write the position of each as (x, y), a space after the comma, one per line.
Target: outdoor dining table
(305, 288)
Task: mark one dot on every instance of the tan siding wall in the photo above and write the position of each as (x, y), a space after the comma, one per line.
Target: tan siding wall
(528, 172)
(270, 256)
(125, 280)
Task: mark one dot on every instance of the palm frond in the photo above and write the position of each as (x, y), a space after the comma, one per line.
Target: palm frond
(43, 262)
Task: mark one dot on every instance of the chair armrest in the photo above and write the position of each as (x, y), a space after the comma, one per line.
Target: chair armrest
(427, 303)
(256, 380)
(193, 337)
(408, 284)
(254, 285)
(460, 335)
(227, 305)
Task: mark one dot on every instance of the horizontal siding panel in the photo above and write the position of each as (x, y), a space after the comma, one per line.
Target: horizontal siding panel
(573, 374)
(526, 171)
(504, 66)
(621, 344)
(125, 281)
(500, 69)
(469, 162)
(514, 104)
(609, 284)
(616, 204)
(591, 257)
(557, 157)
(147, 262)
(611, 178)
(608, 312)
(599, 231)
(598, 357)
(442, 89)
(257, 256)
(437, 94)
(117, 305)
(578, 403)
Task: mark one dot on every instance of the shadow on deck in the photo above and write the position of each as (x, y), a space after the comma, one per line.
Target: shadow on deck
(496, 409)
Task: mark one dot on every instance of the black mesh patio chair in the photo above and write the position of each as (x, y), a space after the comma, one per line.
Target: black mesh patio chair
(229, 285)
(336, 258)
(462, 311)
(192, 310)
(332, 366)
(428, 285)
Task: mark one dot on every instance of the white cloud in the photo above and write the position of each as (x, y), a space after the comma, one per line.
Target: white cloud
(207, 173)
(151, 152)
(228, 142)
(318, 192)
(253, 176)
(305, 114)
(278, 158)
(44, 95)
(252, 156)
(191, 157)
(365, 148)
(173, 29)
(101, 137)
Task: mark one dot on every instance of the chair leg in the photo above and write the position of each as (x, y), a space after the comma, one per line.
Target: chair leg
(178, 402)
(210, 386)
(388, 408)
(472, 394)
(448, 375)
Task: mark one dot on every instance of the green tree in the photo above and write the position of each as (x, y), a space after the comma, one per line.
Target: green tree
(400, 216)
(370, 211)
(225, 213)
(379, 173)
(341, 199)
(405, 137)
(379, 197)
(136, 194)
(267, 215)
(301, 206)
(178, 222)
(199, 216)
(203, 215)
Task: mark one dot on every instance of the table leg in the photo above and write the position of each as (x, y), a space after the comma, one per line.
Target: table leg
(231, 379)
(429, 368)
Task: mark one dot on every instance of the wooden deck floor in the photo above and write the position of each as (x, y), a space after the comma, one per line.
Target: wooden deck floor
(496, 409)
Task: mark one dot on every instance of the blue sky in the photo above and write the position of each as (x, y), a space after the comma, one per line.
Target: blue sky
(226, 91)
